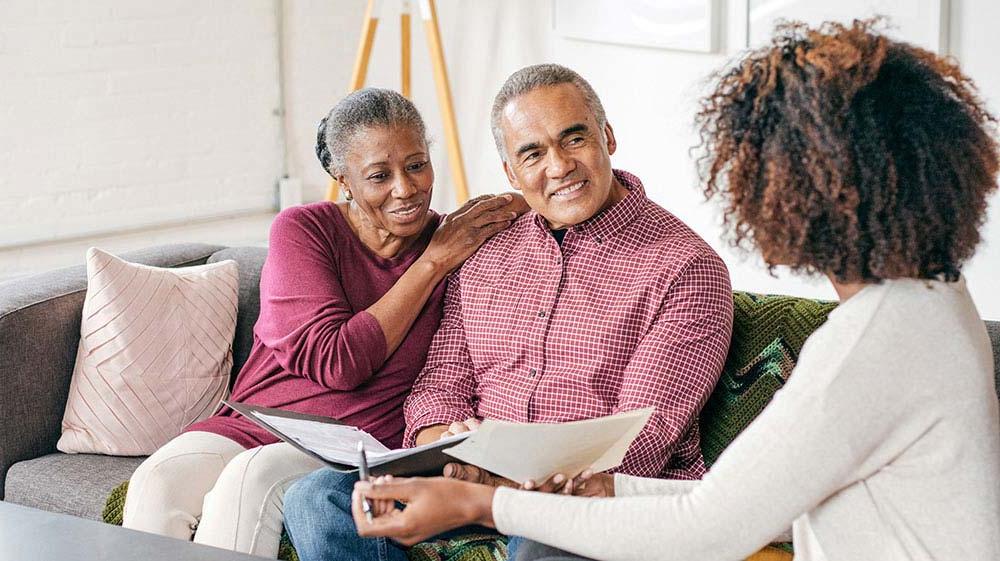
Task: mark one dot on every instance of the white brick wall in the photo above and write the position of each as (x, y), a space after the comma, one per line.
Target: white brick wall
(245, 230)
(131, 113)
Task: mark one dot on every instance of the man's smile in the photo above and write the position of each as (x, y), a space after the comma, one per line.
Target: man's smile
(568, 190)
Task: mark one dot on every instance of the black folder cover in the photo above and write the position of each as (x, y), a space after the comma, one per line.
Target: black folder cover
(428, 461)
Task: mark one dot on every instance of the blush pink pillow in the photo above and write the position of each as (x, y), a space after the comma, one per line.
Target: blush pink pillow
(155, 354)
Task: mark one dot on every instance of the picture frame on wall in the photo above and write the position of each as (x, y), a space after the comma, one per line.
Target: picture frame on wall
(924, 23)
(685, 25)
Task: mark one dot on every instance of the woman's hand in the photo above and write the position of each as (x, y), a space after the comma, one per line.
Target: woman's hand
(463, 231)
(433, 506)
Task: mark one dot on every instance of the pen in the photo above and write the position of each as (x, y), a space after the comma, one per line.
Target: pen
(363, 473)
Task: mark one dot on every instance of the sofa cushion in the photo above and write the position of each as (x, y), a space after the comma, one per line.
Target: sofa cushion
(249, 260)
(77, 484)
(768, 333)
(155, 354)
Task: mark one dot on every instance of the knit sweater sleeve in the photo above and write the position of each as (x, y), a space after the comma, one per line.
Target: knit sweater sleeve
(305, 318)
(631, 486)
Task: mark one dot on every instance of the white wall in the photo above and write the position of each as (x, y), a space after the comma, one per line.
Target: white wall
(975, 42)
(124, 115)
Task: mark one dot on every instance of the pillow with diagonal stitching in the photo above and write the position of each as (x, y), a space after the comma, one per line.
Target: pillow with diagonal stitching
(154, 356)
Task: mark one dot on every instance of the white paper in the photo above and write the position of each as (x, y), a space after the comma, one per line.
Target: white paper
(339, 443)
(523, 451)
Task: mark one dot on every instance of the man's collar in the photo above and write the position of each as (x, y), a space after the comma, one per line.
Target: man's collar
(607, 223)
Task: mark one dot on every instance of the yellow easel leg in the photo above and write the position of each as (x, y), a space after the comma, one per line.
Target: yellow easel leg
(404, 36)
(429, 15)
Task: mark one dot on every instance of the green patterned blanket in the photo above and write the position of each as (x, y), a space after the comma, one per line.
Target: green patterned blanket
(768, 333)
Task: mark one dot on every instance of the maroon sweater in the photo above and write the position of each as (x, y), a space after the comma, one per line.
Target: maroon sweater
(315, 349)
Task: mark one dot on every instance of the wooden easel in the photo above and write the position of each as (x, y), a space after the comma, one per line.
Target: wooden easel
(428, 13)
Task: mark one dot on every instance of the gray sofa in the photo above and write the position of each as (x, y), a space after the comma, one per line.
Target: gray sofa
(39, 333)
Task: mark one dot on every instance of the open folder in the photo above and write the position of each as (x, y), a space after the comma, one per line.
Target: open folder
(336, 444)
(517, 451)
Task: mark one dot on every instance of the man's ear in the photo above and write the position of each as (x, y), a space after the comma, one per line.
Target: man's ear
(511, 178)
(609, 135)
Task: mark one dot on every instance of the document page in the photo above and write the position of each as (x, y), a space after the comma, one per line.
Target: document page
(339, 443)
(523, 451)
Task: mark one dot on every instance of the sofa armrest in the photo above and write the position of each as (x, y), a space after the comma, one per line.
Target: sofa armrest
(39, 336)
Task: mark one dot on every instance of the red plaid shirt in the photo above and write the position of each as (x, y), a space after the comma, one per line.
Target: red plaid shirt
(634, 309)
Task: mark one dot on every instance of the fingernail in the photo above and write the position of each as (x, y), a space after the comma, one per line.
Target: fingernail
(529, 484)
(559, 478)
(508, 197)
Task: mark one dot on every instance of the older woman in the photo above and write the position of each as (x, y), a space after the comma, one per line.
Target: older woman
(351, 295)
(842, 152)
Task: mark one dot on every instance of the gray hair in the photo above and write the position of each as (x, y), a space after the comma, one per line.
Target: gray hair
(531, 78)
(365, 108)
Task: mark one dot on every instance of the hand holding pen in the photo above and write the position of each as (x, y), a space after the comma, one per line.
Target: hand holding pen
(368, 507)
(363, 476)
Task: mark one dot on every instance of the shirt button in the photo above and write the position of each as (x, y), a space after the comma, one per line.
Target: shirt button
(599, 240)
(532, 372)
(541, 314)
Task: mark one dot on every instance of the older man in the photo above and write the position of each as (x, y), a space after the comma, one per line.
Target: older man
(596, 302)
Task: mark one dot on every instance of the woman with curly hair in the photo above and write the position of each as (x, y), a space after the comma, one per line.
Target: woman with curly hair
(839, 152)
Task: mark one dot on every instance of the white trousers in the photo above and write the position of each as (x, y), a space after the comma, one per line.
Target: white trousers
(206, 487)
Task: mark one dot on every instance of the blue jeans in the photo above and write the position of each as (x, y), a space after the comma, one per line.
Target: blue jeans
(320, 524)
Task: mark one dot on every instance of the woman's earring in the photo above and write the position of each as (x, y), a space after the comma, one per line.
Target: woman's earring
(348, 195)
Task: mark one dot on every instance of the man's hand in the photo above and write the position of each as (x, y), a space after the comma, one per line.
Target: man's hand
(587, 484)
(473, 474)
(590, 484)
(434, 433)
(458, 427)
(433, 506)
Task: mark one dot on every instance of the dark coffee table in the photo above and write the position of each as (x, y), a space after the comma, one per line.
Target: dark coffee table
(35, 535)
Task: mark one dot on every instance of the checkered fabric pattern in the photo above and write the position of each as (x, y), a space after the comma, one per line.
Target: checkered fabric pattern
(632, 310)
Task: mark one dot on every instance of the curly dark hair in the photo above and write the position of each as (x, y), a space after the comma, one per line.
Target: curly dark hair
(838, 150)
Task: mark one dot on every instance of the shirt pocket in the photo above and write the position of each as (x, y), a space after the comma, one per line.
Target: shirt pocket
(494, 316)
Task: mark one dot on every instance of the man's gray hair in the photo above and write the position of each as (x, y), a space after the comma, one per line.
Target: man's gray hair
(531, 78)
(365, 108)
